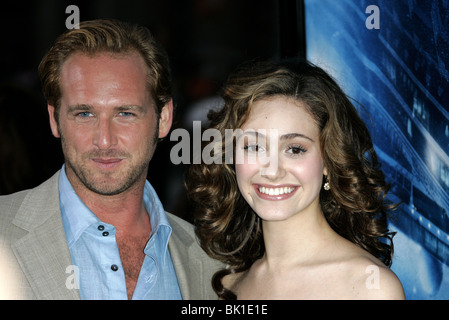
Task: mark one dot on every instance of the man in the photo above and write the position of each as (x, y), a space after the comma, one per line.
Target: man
(96, 229)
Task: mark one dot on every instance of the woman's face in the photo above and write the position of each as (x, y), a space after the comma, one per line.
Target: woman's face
(279, 167)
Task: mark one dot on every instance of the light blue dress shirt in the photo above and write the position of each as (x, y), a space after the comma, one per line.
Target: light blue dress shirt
(95, 254)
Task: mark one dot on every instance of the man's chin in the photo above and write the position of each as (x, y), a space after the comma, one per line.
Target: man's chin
(108, 187)
(108, 183)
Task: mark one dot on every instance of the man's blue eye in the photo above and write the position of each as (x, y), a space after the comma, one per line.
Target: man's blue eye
(84, 114)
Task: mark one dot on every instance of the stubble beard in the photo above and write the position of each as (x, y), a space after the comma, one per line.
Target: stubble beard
(104, 183)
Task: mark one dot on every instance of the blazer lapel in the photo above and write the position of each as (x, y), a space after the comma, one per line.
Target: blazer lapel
(188, 268)
(43, 252)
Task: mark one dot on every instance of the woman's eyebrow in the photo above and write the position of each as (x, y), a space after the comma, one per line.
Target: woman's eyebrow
(288, 136)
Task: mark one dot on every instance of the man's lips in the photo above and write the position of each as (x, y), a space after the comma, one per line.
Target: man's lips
(279, 192)
(107, 163)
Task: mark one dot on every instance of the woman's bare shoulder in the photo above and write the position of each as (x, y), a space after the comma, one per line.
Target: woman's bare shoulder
(360, 274)
(369, 278)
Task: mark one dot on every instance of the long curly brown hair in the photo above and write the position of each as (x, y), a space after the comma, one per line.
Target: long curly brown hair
(355, 207)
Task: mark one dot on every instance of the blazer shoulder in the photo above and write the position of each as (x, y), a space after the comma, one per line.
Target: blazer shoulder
(16, 208)
(10, 204)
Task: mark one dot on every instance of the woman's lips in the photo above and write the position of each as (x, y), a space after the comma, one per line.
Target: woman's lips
(276, 193)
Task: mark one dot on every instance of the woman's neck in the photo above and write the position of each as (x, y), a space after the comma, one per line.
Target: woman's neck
(297, 240)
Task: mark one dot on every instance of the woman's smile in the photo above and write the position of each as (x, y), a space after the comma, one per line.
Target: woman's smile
(275, 193)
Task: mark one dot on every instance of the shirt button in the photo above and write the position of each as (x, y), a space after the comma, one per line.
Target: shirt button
(100, 227)
(114, 267)
(105, 234)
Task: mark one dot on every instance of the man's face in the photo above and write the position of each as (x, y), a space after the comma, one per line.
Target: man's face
(107, 122)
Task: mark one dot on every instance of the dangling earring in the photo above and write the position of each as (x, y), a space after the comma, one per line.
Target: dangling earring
(327, 186)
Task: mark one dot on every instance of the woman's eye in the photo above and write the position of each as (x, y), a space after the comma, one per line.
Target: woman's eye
(253, 148)
(296, 150)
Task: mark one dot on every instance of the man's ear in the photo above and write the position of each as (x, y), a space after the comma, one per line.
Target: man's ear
(166, 119)
(53, 121)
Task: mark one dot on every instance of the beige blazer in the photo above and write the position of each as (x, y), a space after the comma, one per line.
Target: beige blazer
(35, 261)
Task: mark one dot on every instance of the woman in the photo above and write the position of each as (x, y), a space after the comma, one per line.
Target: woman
(297, 207)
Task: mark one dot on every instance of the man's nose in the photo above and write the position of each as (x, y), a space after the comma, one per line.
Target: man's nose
(104, 135)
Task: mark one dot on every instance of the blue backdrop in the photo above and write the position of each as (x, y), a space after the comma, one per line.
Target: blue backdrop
(394, 59)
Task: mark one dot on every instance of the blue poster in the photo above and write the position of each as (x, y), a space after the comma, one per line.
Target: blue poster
(392, 57)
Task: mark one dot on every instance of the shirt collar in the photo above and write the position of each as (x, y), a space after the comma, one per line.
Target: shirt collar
(160, 227)
(77, 217)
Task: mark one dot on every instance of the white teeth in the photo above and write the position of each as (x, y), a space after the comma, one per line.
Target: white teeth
(276, 191)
